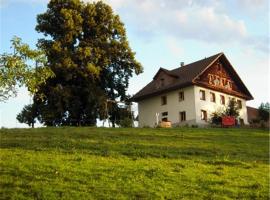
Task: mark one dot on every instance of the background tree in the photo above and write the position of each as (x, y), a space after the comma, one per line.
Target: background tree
(28, 115)
(24, 66)
(264, 111)
(88, 51)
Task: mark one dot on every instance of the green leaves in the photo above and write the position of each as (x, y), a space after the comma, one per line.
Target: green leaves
(23, 67)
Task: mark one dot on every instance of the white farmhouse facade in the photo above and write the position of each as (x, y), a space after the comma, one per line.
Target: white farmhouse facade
(191, 93)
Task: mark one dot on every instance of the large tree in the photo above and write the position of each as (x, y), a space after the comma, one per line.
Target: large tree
(88, 51)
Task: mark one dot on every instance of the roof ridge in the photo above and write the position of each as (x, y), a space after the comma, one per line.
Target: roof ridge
(215, 55)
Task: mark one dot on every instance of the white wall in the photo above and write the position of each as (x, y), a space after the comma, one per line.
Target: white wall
(149, 107)
(192, 105)
(210, 107)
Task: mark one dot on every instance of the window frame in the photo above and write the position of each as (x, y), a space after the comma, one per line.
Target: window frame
(212, 97)
(222, 100)
(163, 100)
(164, 116)
(162, 82)
(203, 97)
(204, 115)
(181, 96)
(239, 104)
(184, 116)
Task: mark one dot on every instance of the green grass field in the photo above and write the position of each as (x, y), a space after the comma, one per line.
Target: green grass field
(103, 163)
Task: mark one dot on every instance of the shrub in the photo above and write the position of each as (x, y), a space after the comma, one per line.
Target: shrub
(126, 122)
(216, 118)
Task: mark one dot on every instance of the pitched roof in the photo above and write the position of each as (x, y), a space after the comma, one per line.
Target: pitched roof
(184, 76)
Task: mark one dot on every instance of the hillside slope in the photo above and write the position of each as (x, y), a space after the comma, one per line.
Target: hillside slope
(103, 163)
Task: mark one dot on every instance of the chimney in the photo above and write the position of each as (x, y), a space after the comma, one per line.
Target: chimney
(182, 64)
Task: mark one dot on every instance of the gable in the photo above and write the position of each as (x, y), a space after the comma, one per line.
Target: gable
(163, 78)
(220, 76)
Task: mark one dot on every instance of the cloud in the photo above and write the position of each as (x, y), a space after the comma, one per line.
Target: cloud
(210, 21)
(174, 48)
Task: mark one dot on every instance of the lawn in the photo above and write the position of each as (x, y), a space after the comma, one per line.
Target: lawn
(103, 163)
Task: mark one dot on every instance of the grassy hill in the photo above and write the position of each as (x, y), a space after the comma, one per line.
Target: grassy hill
(103, 163)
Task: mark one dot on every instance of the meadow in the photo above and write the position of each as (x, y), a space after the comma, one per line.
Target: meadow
(107, 163)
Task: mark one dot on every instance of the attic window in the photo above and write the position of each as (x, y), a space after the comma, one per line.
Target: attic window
(162, 82)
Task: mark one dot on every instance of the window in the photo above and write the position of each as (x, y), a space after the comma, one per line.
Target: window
(164, 116)
(212, 97)
(202, 95)
(182, 116)
(203, 115)
(163, 100)
(181, 96)
(239, 104)
(162, 82)
(222, 100)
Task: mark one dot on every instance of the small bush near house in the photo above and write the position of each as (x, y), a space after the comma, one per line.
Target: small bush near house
(126, 123)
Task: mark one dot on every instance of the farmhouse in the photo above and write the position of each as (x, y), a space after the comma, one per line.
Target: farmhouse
(191, 93)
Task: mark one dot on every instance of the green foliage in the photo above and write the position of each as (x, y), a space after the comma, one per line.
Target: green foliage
(264, 111)
(232, 109)
(120, 115)
(90, 55)
(216, 118)
(126, 122)
(103, 163)
(22, 67)
(28, 115)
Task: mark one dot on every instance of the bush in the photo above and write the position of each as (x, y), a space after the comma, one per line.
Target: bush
(126, 123)
(216, 118)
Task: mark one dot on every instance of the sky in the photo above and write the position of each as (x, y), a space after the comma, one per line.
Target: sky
(164, 33)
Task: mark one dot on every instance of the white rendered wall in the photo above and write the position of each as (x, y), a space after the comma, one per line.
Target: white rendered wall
(192, 105)
(149, 107)
(210, 107)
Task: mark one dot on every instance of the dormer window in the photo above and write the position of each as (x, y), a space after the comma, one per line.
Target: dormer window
(162, 83)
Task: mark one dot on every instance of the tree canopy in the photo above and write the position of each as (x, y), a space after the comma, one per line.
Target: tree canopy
(264, 111)
(88, 51)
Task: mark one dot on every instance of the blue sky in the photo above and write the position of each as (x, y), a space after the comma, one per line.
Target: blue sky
(164, 33)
